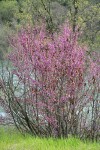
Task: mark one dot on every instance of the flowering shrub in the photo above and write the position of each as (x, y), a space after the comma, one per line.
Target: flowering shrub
(58, 82)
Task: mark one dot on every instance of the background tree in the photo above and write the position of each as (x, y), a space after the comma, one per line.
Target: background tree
(84, 14)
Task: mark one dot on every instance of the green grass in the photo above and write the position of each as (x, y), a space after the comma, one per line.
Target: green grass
(10, 139)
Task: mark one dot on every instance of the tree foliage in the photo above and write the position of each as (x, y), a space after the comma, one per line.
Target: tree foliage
(84, 14)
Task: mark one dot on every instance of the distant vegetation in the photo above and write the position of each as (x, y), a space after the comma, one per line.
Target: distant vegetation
(16, 13)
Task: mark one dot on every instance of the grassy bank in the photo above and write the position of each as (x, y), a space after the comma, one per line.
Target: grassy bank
(10, 139)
